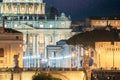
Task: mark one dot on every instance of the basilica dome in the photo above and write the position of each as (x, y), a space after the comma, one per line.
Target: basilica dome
(23, 1)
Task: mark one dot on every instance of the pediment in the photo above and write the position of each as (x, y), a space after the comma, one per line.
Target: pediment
(23, 27)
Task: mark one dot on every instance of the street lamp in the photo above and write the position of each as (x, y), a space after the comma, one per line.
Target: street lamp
(86, 58)
(72, 57)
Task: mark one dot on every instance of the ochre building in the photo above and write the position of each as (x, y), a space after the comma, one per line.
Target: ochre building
(96, 22)
(10, 45)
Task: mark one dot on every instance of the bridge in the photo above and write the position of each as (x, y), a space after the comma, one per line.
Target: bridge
(27, 73)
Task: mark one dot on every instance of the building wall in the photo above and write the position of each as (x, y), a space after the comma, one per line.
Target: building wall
(37, 32)
(37, 40)
(22, 8)
(11, 46)
(107, 54)
(103, 23)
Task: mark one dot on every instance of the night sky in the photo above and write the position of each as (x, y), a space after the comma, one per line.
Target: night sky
(80, 9)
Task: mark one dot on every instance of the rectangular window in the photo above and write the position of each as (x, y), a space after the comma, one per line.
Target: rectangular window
(1, 52)
(17, 37)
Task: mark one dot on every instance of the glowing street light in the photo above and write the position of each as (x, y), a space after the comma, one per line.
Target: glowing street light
(72, 57)
(86, 58)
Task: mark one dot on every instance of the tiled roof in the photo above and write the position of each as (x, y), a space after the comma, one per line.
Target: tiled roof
(94, 36)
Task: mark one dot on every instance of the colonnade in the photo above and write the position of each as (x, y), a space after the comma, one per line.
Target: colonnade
(22, 8)
(35, 47)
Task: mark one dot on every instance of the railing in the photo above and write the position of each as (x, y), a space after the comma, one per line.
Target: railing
(41, 69)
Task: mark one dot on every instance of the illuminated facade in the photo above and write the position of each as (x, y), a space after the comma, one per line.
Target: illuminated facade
(63, 55)
(99, 48)
(103, 22)
(28, 17)
(108, 54)
(10, 45)
(12, 7)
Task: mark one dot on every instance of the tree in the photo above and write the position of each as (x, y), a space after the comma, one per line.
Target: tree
(43, 76)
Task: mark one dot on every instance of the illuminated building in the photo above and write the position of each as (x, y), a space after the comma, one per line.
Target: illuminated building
(108, 54)
(97, 22)
(101, 48)
(10, 45)
(28, 17)
(63, 55)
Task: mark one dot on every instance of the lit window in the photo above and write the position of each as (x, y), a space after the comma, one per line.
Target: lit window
(51, 25)
(30, 8)
(22, 8)
(15, 25)
(31, 39)
(41, 25)
(15, 8)
(41, 38)
(116, 23)
(5, 25)
(97, 22)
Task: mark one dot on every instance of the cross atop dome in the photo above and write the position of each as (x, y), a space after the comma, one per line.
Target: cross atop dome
(23, 1)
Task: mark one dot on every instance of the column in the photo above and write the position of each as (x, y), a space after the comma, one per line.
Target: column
(27, 8)
(4, 8)
(40, 8)
(27, 51)
(34, 7)
(43, 8)
(46, 43)
(12, 8)
(18, 8)
(34, 54)
(38, 52)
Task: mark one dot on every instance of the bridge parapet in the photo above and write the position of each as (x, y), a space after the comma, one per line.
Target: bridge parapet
(62, 73)
(42, 69)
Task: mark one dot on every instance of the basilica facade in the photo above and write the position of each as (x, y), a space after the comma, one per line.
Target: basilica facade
(29, 17)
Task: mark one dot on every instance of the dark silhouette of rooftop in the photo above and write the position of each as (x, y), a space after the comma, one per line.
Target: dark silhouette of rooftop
(96, 35)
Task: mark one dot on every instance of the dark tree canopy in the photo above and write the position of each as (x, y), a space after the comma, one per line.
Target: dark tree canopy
(53, 12)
